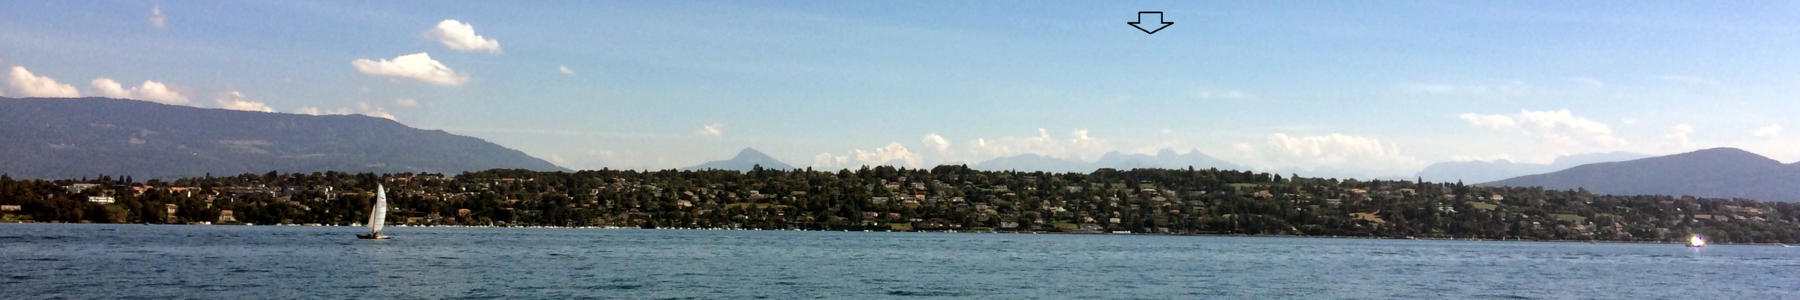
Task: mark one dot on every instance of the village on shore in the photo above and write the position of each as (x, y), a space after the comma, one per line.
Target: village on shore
(943, 199)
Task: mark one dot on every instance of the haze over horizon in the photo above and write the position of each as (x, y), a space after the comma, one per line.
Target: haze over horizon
(1374, 89)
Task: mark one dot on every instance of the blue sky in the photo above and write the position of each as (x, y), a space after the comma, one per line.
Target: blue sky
(1367, 88)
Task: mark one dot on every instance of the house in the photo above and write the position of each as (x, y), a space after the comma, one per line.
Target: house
(1262, 194)
(9, 208)
(1497, 198)
(1075, 188)
(78, 187)
(1407, 192)
(100, 199)
(878, 200)
(1334, 201)
(225, 216)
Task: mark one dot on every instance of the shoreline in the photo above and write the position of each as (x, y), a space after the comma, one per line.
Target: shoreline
(947, 232)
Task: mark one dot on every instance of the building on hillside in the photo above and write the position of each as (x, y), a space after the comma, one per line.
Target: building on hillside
(78, 187)
(100, 199)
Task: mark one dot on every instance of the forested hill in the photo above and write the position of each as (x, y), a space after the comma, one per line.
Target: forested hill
(86, 137)
(1716, 173)
(945, 198)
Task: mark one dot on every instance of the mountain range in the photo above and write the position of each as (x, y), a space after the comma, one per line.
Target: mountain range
(1481, 171)
(1714, 173)
(86, 137)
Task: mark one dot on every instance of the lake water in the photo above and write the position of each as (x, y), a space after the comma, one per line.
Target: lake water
(228, 262)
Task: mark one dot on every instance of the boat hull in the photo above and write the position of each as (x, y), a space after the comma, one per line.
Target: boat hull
(372, 236)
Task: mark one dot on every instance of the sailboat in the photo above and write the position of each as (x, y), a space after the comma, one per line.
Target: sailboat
(377, 216)
(1696, 241)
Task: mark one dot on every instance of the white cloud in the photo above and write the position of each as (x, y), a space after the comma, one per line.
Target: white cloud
(1561, 127)
(362, 108)
(893, 152)
(417, 66)
(1077, 146)
(564, 70)
(714, 130)
(373, 111)
(1773, 130)
(936, 142)
(29, 85)
(157, 19)
(1336, 152)
(1495, 122)
(1329, 149)
(824, 160)
(461, 36)
(149, 91)
(1680, 136)
(406, 102)
(234, 100)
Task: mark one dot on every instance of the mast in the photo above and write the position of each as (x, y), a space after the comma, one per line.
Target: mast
(378, 215)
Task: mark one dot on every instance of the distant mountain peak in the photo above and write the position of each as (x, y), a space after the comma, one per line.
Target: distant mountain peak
(745, 160)
(751, 153)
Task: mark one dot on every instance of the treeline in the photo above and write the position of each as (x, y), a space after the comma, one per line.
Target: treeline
(947, 197)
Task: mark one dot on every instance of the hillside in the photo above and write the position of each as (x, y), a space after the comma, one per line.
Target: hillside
(87, 137)
(1717, 172)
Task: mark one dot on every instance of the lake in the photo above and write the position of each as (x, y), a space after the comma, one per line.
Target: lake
(47, 261)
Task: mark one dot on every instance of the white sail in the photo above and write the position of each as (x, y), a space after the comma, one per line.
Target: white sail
(378, 215)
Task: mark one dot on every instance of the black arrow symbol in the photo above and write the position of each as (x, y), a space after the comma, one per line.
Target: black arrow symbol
(1158, 20)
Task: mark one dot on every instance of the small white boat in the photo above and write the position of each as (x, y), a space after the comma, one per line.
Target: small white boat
(1696, 241)
(377, 216)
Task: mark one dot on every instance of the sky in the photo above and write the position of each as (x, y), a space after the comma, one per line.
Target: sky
(1363, 88)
